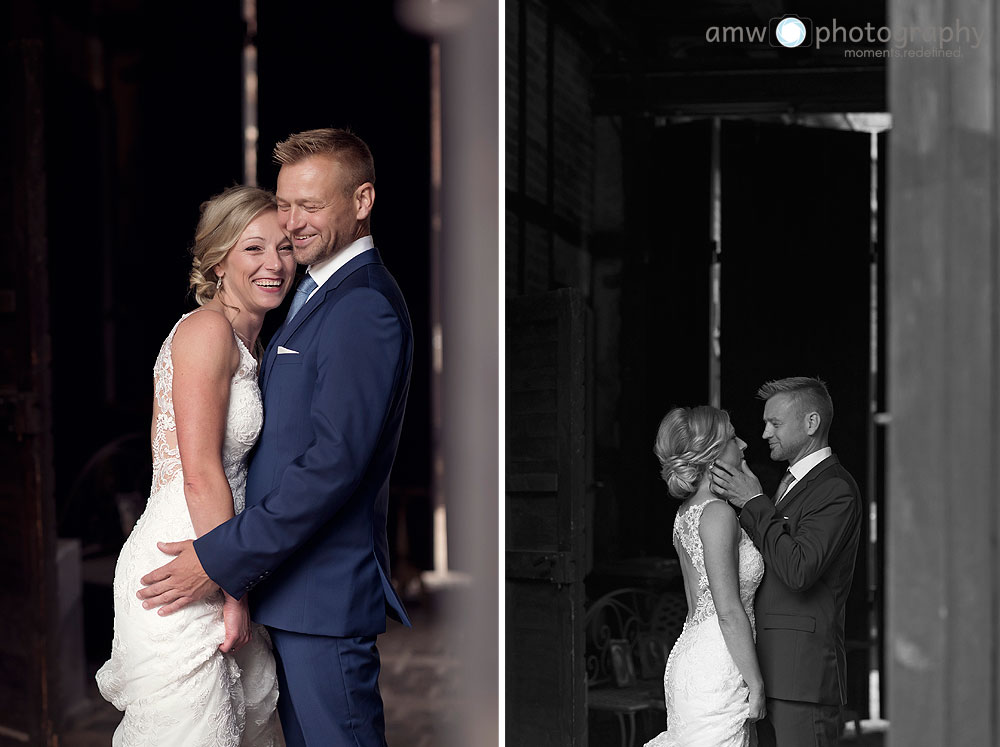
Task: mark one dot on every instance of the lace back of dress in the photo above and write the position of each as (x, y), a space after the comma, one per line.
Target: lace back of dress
(166, 456)
(686, 530)
(687, 527)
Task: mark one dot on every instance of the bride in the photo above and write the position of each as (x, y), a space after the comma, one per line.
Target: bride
(199, 677)
(712, 682)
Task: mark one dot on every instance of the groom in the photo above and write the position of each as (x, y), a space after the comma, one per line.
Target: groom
(312, 538)
(808, 535)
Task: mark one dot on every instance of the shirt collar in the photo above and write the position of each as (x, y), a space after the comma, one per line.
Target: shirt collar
(324, 270)
(801, 468)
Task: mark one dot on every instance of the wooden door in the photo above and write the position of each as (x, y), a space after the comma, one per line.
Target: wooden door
(545, 519)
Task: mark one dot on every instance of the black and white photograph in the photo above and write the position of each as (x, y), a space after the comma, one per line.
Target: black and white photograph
(751, 364)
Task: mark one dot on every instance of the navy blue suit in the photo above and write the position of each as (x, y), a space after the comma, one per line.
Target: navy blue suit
(311, 541)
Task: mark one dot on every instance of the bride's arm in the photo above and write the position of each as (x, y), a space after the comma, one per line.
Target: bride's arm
(719, 531)
(205, 357)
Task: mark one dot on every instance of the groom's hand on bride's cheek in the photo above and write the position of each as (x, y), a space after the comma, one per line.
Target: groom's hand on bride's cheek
(178, 583)
(720, 479)
(751, 483)
(735, 485)
(743, 486)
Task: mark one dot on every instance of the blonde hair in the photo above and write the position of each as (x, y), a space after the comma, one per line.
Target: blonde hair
(687, 442)
(223, 218)
(342, 146)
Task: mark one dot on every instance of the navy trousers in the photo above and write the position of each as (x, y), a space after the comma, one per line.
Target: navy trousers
(329, 694)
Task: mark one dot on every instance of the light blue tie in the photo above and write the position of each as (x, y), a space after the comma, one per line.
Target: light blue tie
(306, 286)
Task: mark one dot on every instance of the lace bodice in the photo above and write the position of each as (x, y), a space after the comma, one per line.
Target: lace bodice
(243, 421)
(751, 564)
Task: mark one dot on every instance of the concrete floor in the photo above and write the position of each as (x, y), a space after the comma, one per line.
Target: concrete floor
(419, 686)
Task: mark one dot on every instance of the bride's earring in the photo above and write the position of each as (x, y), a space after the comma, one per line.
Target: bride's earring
(218, 286)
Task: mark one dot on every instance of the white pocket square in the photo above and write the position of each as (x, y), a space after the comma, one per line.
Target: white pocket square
(282, 350)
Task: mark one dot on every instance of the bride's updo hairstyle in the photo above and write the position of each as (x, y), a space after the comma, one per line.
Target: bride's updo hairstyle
(223, 218)
(688, 441)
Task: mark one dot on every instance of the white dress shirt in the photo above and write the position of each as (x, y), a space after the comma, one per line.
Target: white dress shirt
(324, 269)
(801, 468)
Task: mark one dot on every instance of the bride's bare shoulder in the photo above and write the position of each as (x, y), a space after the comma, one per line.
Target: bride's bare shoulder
(718, 519)
(205, 334)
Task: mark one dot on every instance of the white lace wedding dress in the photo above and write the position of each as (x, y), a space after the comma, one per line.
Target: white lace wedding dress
(166, 672)
(706, 697)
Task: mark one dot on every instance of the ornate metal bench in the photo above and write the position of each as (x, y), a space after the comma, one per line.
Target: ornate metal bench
(629, 634)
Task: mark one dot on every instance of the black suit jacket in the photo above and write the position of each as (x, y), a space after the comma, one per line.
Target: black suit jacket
(809, 543)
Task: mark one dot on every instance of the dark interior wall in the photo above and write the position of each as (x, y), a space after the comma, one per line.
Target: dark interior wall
(664, 360)
(29, 657)
(143, 123)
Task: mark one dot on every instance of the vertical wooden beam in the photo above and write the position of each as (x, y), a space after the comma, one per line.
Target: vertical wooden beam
(550, 141)
(438, 502)
(715, 291)
(26, 500)
(522, 143)
(944, 379)
(249, 96)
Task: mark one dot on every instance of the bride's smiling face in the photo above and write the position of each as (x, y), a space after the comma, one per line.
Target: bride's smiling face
(257, 272)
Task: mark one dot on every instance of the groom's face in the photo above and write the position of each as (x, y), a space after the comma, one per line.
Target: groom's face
(785, 428)
(314, 209)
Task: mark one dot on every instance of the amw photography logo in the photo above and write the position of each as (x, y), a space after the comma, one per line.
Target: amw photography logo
(794, 31)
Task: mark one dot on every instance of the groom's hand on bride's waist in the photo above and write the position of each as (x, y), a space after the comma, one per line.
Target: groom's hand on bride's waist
(178, 583)
(736, 486)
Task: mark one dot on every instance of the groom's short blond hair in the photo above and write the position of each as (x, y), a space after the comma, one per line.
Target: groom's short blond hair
(340, 145)
(810, 394)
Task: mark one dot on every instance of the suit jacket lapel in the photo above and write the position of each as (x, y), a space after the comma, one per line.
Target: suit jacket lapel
(799, 487)
(265, 365)
(371, 256)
